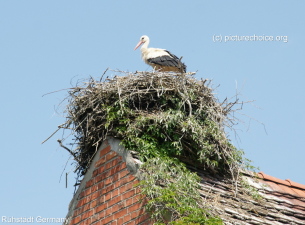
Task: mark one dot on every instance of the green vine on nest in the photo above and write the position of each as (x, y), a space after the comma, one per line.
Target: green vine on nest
(173, 194)
(171, 120)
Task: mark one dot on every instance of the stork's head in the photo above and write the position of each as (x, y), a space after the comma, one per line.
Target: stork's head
(143, 39)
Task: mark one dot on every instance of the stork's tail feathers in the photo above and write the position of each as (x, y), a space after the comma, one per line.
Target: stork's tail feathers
(181, 66)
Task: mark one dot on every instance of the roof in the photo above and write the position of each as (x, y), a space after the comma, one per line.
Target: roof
(282, 202)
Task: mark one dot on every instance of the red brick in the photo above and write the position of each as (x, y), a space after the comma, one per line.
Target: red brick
(105, 151)
(83, 209)
(123, 181)
(108, 219)
(137, 197)
(120, 220)
(131, 179)
(99, 223)
(114, 192)
(75, 220)
(100, 200)
(100, 185)
(132, 222)
(101, 215)
(86, 215)
(124, 173)
(100, 207)
(108, 211)
(107, 189)
(108, 174)
(111, 155)
(100, 177)
(98, 171)
(100, 162)
(138, 191)
(112, 163)
(120, 213)
(95, 173)
(85, 192)
(134, 207)
(121, 187)
(86, 222)
(94, 218)
(134, 214)
(142, 218)
(114, 170)
(120, 183)
(94, 188)
(94, 195)
(135, 181)
(114, 222)
(93, 204)
(122, 166)
(82, 202)
(117, 207)
(127, 218)
(107, 196)
(129, 201)
(129, 186)
(128, 194)
(89, 183)
(116, 184)
(108, 181)
(114, 200)
(119, 165)
(115, 177)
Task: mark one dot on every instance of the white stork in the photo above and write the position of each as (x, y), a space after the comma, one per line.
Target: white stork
(160, 59)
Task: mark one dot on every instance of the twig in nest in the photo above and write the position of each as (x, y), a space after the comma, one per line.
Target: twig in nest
(72, 153)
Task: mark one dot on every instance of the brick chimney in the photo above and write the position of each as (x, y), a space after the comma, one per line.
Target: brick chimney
(107, 194)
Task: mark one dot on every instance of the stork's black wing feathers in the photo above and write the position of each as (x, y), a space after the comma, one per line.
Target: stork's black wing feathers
(165, 60)
(180, 64)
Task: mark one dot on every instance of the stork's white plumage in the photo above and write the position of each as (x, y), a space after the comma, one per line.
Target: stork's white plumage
(160, 59)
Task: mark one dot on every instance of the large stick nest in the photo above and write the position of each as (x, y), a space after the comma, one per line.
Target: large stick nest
(91, 115)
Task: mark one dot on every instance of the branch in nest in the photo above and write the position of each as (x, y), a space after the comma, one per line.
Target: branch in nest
(71, 152)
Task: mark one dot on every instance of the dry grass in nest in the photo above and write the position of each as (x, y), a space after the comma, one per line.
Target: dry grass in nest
(143, 93)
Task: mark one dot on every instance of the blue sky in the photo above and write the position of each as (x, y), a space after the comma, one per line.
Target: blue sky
(46, 45)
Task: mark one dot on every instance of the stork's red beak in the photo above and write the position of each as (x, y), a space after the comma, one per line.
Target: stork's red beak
(138, 45)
